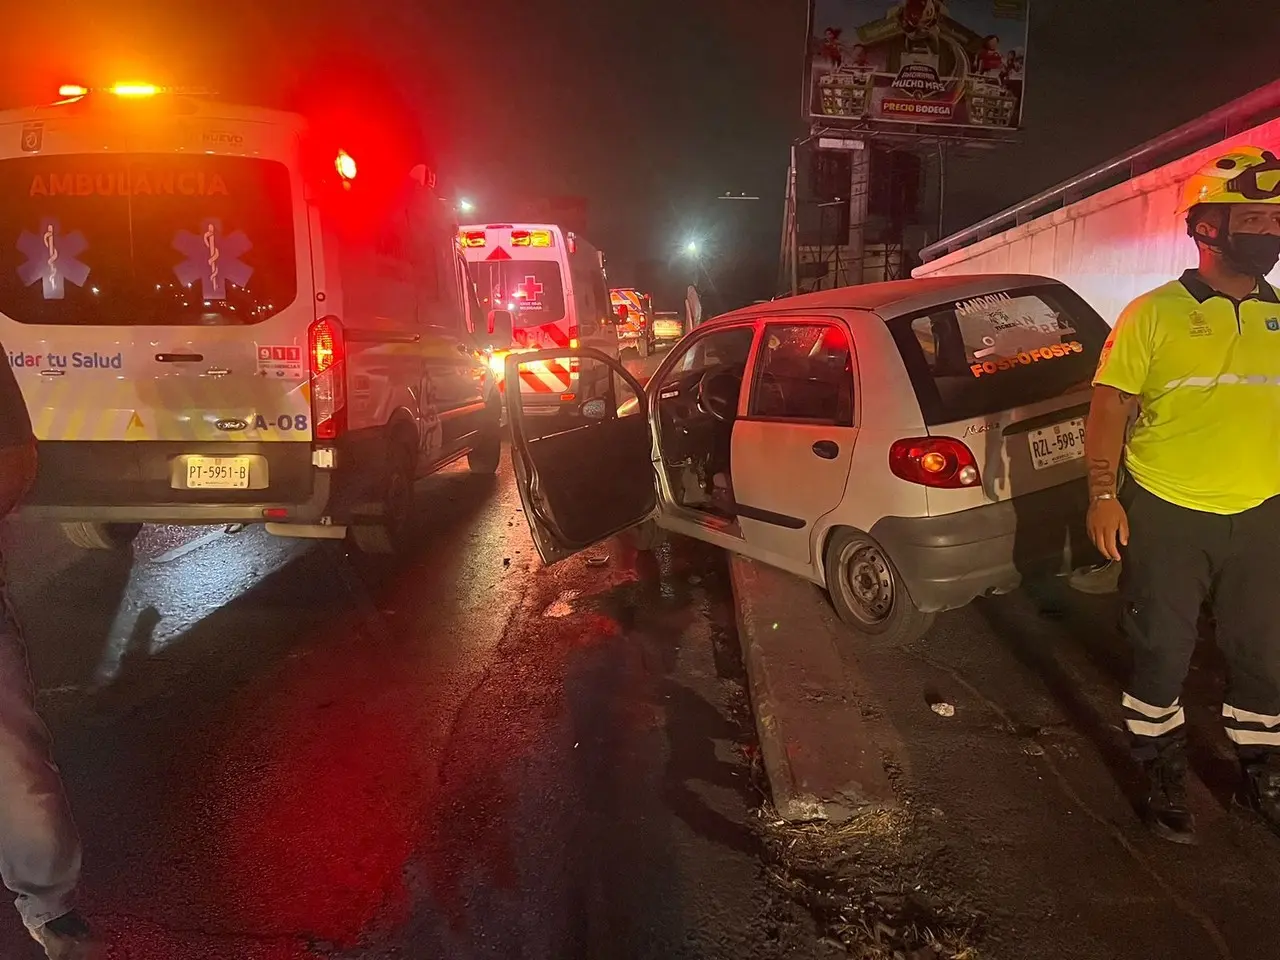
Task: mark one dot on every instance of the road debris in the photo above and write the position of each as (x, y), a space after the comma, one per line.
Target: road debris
(597, 561)
(877, 883)
(943, 709)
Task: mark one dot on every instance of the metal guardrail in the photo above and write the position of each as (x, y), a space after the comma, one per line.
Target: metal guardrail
(1248, 111)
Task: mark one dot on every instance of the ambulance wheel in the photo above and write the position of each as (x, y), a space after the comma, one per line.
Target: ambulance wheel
(392, 532)
(101, 536)
(642, 348)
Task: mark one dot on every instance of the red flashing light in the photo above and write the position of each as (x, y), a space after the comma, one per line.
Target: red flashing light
(472, 238)
(941, 462)
(345, 164)
(327, 352)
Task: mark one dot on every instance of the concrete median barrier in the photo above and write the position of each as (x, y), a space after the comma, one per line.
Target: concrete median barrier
(823, 759)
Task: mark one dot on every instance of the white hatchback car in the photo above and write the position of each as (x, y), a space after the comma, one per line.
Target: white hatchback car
(908, 445)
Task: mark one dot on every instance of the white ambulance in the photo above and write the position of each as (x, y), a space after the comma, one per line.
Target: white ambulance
(553, 285)
(220, 314)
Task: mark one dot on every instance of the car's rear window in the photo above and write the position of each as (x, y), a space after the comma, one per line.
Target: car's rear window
(984, 355)
(145, 239)
(532, 290)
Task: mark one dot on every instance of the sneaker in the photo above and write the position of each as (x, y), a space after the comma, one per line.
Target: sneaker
(1167, 813)
(1097, 580)
(67, 938)
(1261, 792)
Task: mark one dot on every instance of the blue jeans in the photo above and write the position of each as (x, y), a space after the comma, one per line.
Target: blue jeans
(39, 845)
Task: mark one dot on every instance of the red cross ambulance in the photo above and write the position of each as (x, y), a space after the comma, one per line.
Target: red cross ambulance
(553, 285)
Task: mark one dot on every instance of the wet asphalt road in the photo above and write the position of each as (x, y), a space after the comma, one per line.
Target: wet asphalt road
(276, 751)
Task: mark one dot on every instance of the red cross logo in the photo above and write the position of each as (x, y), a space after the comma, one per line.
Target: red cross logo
(530, 289)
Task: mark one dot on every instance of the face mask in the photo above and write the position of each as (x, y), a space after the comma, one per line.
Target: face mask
(1254, 254)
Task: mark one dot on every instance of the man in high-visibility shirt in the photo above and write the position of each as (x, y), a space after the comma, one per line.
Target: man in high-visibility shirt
(1198, 516)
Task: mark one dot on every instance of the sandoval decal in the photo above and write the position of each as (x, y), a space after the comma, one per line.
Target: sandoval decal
(955, 62)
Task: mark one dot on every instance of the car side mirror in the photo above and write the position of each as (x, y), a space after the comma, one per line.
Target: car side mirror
(596, 409)
(501, 329)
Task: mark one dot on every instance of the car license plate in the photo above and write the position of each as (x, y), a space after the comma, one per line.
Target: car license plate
(217, 473)
(1057, 444)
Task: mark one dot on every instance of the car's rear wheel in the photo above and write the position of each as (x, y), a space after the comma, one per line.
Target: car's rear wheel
(101, 536)
(868, 591)
(392, 531)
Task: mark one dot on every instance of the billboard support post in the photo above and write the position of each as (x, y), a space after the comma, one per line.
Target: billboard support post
(859, 192)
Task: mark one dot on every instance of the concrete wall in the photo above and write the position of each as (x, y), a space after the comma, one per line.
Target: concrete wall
(1110, 246)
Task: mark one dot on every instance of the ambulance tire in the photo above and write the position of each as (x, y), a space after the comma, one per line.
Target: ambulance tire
(101, 536)
(642, 348)
(391, 534)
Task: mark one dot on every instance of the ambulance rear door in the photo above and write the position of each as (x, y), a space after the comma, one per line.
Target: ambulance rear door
(151, 293)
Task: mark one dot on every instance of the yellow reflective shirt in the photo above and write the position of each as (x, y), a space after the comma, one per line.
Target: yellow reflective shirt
(1206, 371)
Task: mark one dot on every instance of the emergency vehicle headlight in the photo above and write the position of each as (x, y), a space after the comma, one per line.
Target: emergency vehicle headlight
(531, 238)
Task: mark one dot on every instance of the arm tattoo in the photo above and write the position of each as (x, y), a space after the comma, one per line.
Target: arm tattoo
(1102, 476)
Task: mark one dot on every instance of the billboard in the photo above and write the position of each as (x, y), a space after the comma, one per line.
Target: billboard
(943, 62)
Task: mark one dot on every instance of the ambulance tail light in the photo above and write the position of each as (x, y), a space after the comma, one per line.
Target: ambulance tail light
(327, 352)
(574, 363)
(941, 462)
(531, 238)
(471, 238)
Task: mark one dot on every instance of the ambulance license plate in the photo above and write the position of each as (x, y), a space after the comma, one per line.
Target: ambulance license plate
(1057, 444)
(217, 473)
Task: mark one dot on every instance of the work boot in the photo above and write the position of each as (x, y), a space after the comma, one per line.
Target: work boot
(67, 938)
(1167, 813)
(1261, 792)
(1098, 580)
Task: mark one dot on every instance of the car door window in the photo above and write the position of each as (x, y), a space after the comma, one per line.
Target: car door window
(729, 347)
(804, 371)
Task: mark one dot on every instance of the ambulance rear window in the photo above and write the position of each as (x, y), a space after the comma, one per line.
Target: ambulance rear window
(146, 239)
(985, 355)
(531, 289)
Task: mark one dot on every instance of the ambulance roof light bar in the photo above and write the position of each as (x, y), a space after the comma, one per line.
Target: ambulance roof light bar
(129, 89)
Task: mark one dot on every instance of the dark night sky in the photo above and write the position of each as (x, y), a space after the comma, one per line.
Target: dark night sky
(651, 108)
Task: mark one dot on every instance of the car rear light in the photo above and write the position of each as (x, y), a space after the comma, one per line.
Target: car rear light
(934, 462)
(275, 513)
(328, 353)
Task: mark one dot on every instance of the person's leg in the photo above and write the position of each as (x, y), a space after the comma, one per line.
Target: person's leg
(1248, 632)
(39, 846)
(1167, 574)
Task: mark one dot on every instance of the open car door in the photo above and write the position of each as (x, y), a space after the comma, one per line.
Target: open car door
(583, 461)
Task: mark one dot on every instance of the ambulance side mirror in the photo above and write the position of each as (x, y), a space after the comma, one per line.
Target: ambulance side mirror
(501, 329)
